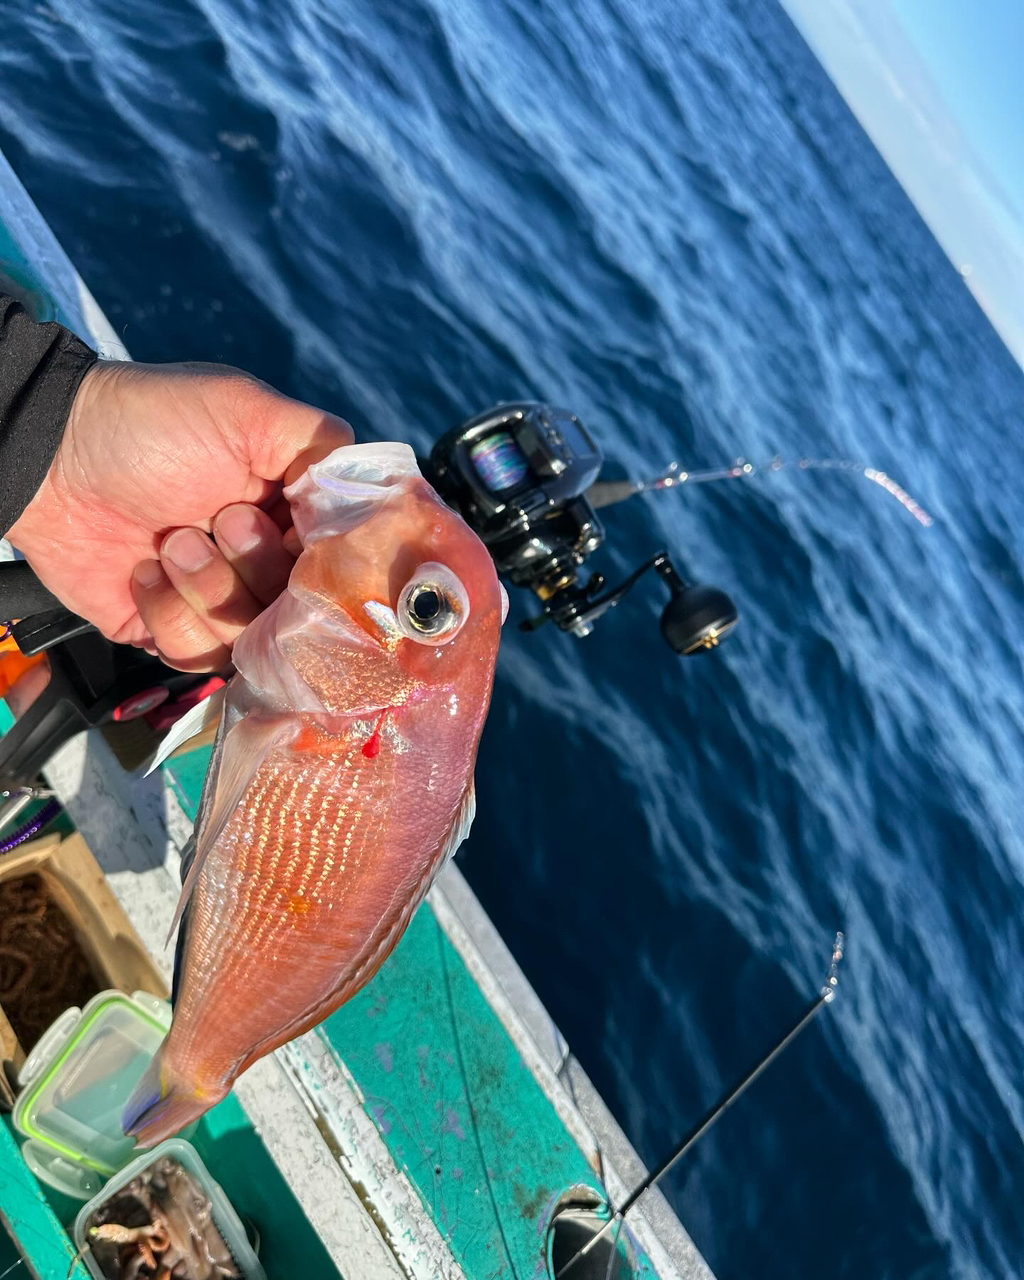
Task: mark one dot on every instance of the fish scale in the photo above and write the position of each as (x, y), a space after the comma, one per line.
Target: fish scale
(271, 871)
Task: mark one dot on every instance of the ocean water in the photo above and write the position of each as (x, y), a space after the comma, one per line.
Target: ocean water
(660, 214)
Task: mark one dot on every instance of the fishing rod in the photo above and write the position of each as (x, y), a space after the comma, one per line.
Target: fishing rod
(607, 493)
(825, 996)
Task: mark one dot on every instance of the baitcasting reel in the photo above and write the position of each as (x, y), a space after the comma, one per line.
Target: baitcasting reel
(524, 476)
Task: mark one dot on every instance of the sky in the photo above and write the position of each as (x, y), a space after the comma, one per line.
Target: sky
(938, 85)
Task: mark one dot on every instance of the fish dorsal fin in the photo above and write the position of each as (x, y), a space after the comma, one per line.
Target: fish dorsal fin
(191, 724)
(460, 826)
(243, 750)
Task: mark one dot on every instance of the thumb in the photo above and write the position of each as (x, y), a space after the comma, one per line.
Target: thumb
(290, 436)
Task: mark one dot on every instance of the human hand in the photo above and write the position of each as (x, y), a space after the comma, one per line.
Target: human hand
(154, 459)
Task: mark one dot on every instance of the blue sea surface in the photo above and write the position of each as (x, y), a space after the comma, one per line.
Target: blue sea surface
(661, 214)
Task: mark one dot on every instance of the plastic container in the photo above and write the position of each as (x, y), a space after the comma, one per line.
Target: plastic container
(225, 1219)
(75, 1084)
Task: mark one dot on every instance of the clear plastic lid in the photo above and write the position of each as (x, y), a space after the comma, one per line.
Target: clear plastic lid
(77, 1081)
(67, 1176)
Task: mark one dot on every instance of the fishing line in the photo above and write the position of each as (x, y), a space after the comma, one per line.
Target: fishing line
(844, 914)
(605, 494)
(457, 1039)
(614, 1251)
(565, 1078)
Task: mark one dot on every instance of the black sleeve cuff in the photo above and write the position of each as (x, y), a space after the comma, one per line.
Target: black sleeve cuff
(41, 367)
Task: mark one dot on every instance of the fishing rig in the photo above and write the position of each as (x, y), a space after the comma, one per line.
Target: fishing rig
(525, 477)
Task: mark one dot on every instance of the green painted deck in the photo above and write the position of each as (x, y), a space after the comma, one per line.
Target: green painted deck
(30, 1221)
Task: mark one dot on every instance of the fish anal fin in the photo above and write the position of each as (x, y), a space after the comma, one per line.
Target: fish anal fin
(461, 824)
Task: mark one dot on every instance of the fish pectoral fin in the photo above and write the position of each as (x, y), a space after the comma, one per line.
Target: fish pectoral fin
(191, 724)
(245, 746)
(461, 825)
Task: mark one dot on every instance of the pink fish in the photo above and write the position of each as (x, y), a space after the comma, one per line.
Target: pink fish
(342, 777)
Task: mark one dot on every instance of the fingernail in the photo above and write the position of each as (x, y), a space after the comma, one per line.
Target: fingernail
(148, 573)
(240, 529)
(188, 550)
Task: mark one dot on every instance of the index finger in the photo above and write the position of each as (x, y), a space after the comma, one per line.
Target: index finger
(251, 542)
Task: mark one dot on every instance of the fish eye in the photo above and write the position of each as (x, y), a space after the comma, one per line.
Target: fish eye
(432, 606)
(425, 604)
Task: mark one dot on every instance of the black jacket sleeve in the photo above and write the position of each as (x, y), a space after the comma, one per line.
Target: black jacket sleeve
(41, 367)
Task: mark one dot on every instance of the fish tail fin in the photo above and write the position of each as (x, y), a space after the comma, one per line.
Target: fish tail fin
(162, 1104)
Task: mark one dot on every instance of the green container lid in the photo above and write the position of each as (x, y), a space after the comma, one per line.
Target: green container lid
(75, 1084)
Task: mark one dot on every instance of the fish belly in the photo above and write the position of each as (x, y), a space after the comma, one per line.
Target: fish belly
(304, 895)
